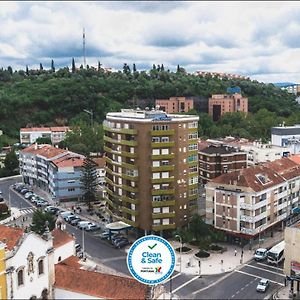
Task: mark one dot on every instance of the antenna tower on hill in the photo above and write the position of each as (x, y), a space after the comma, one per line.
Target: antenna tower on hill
(83, 45)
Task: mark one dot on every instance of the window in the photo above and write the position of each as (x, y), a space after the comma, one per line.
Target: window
(155, 163)
(71, 189)
(71, 181)
(164, 151)
(41, 266)
(155, 151)
(156, 175)
(165, 175)
(21, 277)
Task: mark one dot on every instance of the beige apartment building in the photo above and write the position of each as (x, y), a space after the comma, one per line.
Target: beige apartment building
(248, 202)
(220, 104)
(175, 104)
(151, 168)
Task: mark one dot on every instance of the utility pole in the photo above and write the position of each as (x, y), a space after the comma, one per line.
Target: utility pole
(83, 246)
(83, 45)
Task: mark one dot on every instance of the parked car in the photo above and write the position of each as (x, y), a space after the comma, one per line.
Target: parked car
(27, 195)
(34, 199)
(263, 285)
(64, 214)
(75, 221)
(261, 254)
(41, 203)
(121, 243)
(83, 224)
(92, 227)
(1, 198)
(69, 218)
(104, 235)
(51, 209)
(24, 191)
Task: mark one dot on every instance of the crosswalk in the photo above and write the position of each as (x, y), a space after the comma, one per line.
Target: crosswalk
(27, 210)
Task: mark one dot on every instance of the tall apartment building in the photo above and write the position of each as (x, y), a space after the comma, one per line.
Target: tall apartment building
(151, 168)
(175, 104)
(55, 134)
(215, 160)
(245, 203)
(220, 104)
(55, 170)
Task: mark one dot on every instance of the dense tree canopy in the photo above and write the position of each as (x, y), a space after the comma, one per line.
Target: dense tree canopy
(48, 97)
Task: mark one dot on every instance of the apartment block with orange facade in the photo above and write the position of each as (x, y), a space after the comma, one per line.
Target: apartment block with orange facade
(175, 104)
(220, 104)
(151, 168)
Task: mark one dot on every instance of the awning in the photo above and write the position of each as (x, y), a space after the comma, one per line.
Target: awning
(120, 225)
(296, 210)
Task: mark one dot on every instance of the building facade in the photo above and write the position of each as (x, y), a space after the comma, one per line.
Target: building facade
(287, 136)
(3, 289)
(151, 168)
(55, 134)
(55, 170)
(245, 203)
(175, 105)
(220, 104)
(215, 160)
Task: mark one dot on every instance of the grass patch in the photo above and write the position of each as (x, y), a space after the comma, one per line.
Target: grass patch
(184, 249)
(202, 254)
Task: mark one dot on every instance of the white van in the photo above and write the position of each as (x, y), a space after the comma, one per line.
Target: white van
(260, 254)
(83, 224)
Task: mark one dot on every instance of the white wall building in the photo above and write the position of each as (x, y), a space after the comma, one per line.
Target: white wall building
(30, 135)
(287, 136)
(259, 153)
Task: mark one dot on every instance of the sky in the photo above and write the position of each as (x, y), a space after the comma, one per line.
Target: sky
(252, 38)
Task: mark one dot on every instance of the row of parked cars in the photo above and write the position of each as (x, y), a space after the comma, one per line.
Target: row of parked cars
(30, 195)
(117, 240)
(75, 220)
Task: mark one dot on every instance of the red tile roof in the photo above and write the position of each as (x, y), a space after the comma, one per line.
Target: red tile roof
(98, 284)
(60, 237)
(295, 158)
(69, 161)
(46, 151)
(72, 261)
(275, 172)
(53, 129)
(10, 236)
(100, 161)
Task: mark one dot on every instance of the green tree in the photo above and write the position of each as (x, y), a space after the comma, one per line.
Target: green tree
(198, 227)
(11, 163)
(44, 140)
(89, 181)
(52, 66)
(39, 219)
(73, 66)
(10, 70)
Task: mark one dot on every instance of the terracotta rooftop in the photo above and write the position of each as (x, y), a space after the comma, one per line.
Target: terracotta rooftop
(54, 129)
(69, 161)
(46, 151)
(295, 158)
(72, 261)
(10, 236)
(60, 237)
(261, 177)
(98, 284)
(100, 161)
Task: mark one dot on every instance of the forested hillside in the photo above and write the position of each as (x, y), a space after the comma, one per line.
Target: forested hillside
(40, 97)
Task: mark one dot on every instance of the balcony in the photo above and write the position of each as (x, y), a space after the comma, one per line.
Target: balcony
(163, 215)
(129, 200)
(162, 144)
(260, 204)
(129, 188)
(282, 217)
(244, 205)
(130, 211)
(193, 197)
(282, 205)
(163, 168)
(162, 132)
(163, 227)
(120, 130)
(248, 231)
(122, 153)
(246, 218)
(163, 203)
(162, 192)
(162, 180)
(162, 156)
(120, 142)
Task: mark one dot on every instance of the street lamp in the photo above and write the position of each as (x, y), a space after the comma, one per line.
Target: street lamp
(180, 239)
(90, 112)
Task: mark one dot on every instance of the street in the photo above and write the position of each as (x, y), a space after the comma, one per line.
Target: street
(239, 284)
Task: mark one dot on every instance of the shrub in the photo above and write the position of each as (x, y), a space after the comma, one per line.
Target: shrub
(184, 249)
(202, 254)
(215, 247)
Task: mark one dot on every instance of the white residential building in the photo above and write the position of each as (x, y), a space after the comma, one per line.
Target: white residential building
(30, 135)
(287, 136)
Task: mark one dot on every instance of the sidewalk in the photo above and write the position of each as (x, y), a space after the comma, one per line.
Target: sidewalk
(284, 293)
(218, 263)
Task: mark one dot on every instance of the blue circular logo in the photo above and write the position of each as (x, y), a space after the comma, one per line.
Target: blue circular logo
(151, 260)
